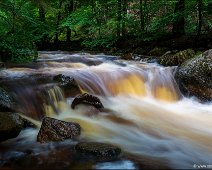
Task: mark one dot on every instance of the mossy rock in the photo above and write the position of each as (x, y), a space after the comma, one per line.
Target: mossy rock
(158, 51)
(139, 51)
(195, 76)
(11, 125)
(175, 59)
(98, 151)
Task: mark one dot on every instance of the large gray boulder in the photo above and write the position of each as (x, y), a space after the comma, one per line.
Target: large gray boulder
(53, 130)
(11, 125)
(195, 76)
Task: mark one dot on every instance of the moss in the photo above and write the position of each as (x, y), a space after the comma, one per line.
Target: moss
(176, 58)
(195, 76)
(158, 51)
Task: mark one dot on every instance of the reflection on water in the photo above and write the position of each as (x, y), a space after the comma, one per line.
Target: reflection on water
(145, 113)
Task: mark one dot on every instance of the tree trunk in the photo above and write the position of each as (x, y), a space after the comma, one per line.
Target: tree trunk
(141, 16)
(56, 40)
(42, 14)
(124, 12)
(70, 10)
(179, 22)
(200, 18)
(119, 18)
(196, 40)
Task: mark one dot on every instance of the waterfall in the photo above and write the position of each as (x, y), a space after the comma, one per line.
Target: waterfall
(145, 115)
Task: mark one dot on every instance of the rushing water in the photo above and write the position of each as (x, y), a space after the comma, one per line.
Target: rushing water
(145, 115)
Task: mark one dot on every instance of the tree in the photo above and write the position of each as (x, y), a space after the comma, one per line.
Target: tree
(124, 13)
(70, 9)
(119, 2)
(141, 15)
(179, 20)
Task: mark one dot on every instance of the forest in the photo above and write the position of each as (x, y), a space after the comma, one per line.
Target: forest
(98, 25)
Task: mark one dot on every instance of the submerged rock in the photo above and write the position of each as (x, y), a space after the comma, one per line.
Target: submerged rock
(11, 125)
(195, 76)
(87, 99)
(68, 84)
(98, 151)
(56, 130)
(171, 58)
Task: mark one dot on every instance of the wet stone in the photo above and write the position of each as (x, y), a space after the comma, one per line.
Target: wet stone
(98, 151)
(11, 125)
(6, 101)
(68, 84)
(53, 130)
(87, 99)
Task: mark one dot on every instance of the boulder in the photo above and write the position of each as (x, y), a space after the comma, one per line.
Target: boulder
(98, 151)
(195, 76)
(1, 64)
(87, 99)
(11, 125)
(56, 130)
(68, 84)
(157, 51)
(127, 56)
(6, 101)
(172, 58)
(139, 50)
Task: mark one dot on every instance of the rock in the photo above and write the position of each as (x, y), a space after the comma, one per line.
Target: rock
(139, 51)
(87, 99)
(195, 76)
(56, 130)
(28, 124)
(113, 50)
(174, 59)
(11, 125)
(6, 101)
(1, 64)
(98, 151)
(69, 85)
(127, 56)
(137, 58)
(157, 51)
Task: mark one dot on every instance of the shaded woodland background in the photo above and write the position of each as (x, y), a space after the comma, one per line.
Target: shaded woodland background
(32, 25)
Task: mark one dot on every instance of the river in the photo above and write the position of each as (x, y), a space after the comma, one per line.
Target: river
(145, 115)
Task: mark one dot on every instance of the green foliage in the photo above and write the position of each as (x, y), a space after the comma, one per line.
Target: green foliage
(102, 42)
(81, 20)
(27, 24)
(16, 38)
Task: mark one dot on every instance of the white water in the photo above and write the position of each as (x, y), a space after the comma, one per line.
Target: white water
(146, 114)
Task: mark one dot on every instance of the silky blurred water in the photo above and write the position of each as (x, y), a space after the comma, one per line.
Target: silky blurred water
(145, 115)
